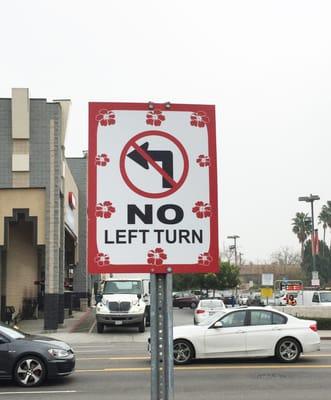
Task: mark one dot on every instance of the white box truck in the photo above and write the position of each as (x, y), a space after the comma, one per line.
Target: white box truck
(124, 301)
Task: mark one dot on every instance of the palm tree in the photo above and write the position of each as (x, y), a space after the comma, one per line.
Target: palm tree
(302, 227)
(325, 217)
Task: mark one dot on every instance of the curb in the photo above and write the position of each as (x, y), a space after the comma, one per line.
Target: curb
(81, 320)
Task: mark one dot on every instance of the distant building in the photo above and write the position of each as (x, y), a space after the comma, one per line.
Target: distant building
(253, 273)
(42, 212)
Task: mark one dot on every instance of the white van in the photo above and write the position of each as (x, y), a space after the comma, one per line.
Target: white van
(314, 298)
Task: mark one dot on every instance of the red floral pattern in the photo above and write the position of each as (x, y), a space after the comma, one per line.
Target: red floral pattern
(102, 259)
(156, 257)
(204, 259)
(199, 119)
(155, 118)
(106, 117)
(104, 210)
(102, 160)
(203, 161)
(201, 209)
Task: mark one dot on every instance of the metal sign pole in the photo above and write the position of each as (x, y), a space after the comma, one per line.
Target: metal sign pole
(162, 369)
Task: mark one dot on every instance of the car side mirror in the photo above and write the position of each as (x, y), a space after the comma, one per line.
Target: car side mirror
(218, 325)
(98, 297)
(139, 296)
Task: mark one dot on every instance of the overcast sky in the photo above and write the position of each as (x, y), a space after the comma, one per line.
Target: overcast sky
(265, 64)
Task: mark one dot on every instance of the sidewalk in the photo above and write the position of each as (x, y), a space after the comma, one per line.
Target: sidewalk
(74, 324)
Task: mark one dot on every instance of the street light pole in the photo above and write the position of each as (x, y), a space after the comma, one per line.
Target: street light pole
(234, 237)
(310, 199)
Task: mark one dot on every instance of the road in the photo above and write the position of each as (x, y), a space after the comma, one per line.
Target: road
(119, 371)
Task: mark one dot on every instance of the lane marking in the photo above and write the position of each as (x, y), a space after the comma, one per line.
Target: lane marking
(41, 392)
(92, 327)
(114, 358)
(124, 358)
(202, 368)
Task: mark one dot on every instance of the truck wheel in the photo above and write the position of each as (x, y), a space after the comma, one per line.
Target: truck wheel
(100, 327)
(141, 326)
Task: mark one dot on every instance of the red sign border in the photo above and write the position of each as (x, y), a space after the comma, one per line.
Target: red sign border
(209, 110)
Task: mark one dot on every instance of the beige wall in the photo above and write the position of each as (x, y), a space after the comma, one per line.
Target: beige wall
(33, 199)
(22, 265)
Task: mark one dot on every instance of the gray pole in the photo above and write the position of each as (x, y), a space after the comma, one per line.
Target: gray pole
(313, 237)
(162, 370)
(235, 251)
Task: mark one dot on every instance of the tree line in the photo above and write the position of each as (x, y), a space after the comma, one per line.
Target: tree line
(226, 278)
(309, 241)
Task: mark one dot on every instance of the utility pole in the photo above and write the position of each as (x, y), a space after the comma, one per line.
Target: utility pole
(234, 237)
(310, 199)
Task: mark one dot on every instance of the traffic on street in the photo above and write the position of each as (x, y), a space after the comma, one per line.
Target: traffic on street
(116, 365)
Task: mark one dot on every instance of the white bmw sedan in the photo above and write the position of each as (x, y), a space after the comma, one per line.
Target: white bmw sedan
(249, 332)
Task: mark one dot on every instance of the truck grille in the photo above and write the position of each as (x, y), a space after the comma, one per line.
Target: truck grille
(123, 306)
(114, 306)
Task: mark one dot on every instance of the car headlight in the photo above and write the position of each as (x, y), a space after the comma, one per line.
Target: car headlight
(59, 353)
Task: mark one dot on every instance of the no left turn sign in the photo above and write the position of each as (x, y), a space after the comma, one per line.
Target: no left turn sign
(152, 188)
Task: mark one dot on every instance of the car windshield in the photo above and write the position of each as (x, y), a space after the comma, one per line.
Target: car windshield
(213, 318)
(12, 332)
(326, 297)
(211, 304)
(122, 287)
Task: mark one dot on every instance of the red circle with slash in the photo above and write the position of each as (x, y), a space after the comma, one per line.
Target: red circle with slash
(133, 143)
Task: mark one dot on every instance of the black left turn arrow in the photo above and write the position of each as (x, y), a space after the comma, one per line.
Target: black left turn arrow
(163, 156)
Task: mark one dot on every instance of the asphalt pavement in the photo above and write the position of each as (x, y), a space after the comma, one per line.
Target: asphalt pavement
(115, 365)
(122, 372)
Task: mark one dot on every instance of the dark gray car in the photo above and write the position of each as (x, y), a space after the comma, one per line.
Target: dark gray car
(30, 359)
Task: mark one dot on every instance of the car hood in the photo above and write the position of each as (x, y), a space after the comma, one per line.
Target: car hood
(50, 342)
(188, 331)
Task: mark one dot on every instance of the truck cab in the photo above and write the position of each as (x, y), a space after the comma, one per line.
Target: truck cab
(124, 302)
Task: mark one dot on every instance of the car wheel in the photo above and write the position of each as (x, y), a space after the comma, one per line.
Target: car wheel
(141, 326)
(100, 327)
(180, 307)
(288, 350)
(30, 371)
(183, 352)
(193, 305)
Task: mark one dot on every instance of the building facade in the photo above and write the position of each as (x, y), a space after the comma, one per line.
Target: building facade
(40, 214)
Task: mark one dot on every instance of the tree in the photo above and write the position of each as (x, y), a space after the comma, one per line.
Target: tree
(228, 276)
(325, 218)
(302, 227)
(285, 256)
(323, 265)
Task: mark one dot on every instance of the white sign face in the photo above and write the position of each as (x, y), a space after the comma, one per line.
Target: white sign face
(267, 279)
(152, 188)
(314, 275)
(315, 282)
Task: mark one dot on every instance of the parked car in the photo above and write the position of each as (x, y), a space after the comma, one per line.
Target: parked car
(206, 308)
(185, 299)
(242, 299)
(30, 359)
(249, 332)
(255, 301)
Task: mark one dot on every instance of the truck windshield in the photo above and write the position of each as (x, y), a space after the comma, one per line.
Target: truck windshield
(326, 297)
(124, 287)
